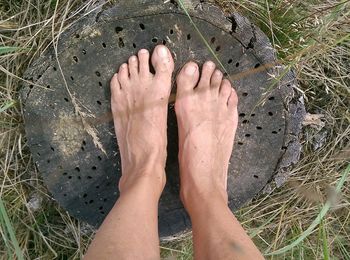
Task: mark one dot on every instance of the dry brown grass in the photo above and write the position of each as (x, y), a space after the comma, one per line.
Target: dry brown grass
(312, 35)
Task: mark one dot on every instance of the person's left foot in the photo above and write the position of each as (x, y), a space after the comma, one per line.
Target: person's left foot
(139, 106)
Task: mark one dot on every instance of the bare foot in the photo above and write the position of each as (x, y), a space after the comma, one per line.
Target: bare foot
(207, 121)
(139, 107)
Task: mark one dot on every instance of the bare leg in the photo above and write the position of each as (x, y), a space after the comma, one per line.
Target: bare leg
(207, 120)
(139, 106)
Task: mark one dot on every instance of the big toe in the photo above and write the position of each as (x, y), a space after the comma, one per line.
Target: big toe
(162, 62)
(188, 78)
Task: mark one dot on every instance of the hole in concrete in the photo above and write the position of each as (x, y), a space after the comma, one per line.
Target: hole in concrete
(245, 121)
(155, 39)
(271, 98)
(134, 45)
(52, 149)
(54, 68)
(121, 43)
(100, 83)
(252, 115)
(82, 148)
(75, 58)
(64, 173)
(99, 158)
(218, 48)
(171, 31)
(244, 94)
(99, 102)
(274, 132)
(257, 65)
(77, 169)
(85, 195)
(93, 168)
(259, 127)
(256, 176)
(98, 74)
(230, 61)
(77, 36)
(241, 115)
(240, 143)
(91, 201)
(79, 177)
(66, 99)
(270, 114)
(72, 78)
(188, 37)
(247, 135)
(69, 177)
(48, 86)
(97, 187)
(251, 43)
(89, 177)
(83, 51)
(118, 29)
(104, 45)
(237, 64)
(233, 24)
(142, 26)
(213, 39)
(164, 42)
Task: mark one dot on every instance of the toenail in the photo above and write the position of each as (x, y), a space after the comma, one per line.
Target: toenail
(133, 58)
(123, 66)
(218, 73)
(210, 64)
(162, 51)
(190, 69)
(143, 51)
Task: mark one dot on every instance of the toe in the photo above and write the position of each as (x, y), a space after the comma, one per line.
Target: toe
(162, 62)
(225, 90)
(115, 85)
(187, 78)
(123, 74)
(207, 72)
(133, 66)
(232, 100)
(216, 80)
(144, 62)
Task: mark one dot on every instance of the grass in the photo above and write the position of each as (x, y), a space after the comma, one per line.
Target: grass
(312, 36)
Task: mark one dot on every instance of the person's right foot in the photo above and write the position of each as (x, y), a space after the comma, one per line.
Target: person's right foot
(207, 121)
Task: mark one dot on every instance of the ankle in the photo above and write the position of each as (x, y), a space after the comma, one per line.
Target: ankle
(146, 177)
(197, 200)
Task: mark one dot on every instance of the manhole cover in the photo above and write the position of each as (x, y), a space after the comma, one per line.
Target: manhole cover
(67, 110)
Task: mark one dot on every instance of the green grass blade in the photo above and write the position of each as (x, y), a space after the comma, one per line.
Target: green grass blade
(5, 237)
(324, 241)
(6, 106)
(7, 49)
(318, 219)
(5, 219)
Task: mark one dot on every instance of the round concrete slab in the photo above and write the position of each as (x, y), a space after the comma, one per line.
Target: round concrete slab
(67, 109)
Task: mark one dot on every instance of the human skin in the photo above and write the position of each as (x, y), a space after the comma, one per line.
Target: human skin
(206, 109)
